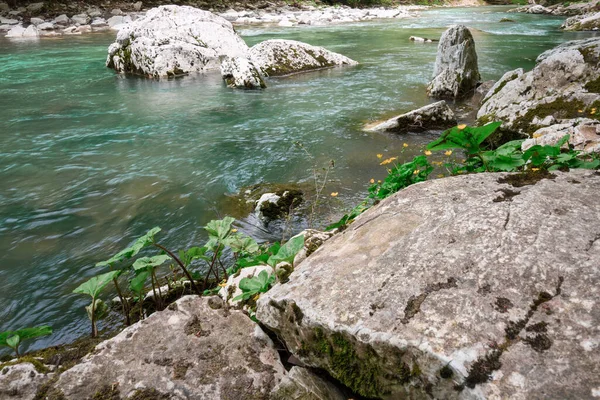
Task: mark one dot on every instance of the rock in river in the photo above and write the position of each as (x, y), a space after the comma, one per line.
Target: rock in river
(456, 72)
(240, 72)
(432, 116)
(470, 287)
(283, 57)
(174, 40)
(564, 85)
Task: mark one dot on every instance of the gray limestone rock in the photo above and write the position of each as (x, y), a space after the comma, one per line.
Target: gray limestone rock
(584, 135)
(301, 384)
(196, 349)
(278, 57)
(585, 22)
(81, 19)
(432, 116)
(564, 84)
(456, 73)
(469, 287)
(21, 381)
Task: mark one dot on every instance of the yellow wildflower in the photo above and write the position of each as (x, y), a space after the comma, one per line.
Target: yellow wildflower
(255, 298)
(416, 171)
(379, 156)
(234, 230)
(427, 153)
(378, 181)
(441, 175)
(593, 111)
(223, 284)
(537, 135)
(387, 161)
(334, 194)
(580, 111)
(535, 169)
(405, 145)
(372, 180)
(448, 152)
(461, 126)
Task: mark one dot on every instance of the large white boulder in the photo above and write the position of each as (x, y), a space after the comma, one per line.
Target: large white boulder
(174, 40)
(278, 57)
(456, 73)
(481, 286)
(564, 85)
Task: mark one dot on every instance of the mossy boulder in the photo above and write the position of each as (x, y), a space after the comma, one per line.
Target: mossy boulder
(469, 287)
(432, 116)
(562, 87)
(279, 57)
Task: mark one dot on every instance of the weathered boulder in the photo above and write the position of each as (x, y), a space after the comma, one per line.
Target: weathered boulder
(499, 85)
(81, 19)
(18, 31)
(62, 20)
(432, 116)
(278, 57)
(196, 349)
(471, 287)
(564, 84)
(21, 381)
(584, 135)
(538, 9)
(174, 40)
(585, 22)
(240, 72)
(456, 73)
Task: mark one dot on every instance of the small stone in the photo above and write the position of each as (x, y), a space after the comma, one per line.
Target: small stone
(116, 11)
(34, 8)
(62, 20)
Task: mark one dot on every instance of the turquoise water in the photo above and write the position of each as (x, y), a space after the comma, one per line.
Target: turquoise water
(90, 160)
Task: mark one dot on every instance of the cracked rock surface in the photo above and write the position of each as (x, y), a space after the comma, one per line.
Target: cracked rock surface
(470, 287)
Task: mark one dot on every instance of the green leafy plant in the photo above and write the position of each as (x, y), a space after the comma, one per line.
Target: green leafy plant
(149, 265)
(401, 176)
(250, 287)
(13, 339)
(93, 287)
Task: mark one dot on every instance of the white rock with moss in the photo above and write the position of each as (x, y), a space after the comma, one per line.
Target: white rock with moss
(586, 22)
(456, 72)
(564, 84)
(240, 72)
(432, 116)
(278, 57)
(482, 286)
(584, 135)
(174, 40)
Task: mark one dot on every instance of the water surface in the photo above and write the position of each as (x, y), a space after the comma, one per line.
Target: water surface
(90, 160)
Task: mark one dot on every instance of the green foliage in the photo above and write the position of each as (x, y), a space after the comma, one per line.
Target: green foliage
(250, 287)
(133, 250)
(150, 263)
(287, 252)
(94, 285)
(13, 339)
(401, 176)
(467, 138)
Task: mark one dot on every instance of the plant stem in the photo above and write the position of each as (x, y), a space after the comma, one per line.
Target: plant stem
(93, 318)
(124, 302)
(156, 300)
(212, 264)
(183, 268)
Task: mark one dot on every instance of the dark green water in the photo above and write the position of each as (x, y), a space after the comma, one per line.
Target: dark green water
(90, 160)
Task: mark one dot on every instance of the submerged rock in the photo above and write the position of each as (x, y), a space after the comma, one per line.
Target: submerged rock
(195, 349)
(272, 206)
(174, 40)
(477, 286)
(432, 116)
(564, 84)
(456, 73)
(278, 57)
(239, 72)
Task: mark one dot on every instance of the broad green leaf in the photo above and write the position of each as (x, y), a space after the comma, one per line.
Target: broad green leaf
(13, 341)
(469, 138)
(150, 262)
(504, 162)
(241, 243)
(194, 253)
(133, 250)
(94, 286)
(288, 251)
(220, 228)
(509, 147)
(540, 154)
(483, 132)
(25, 333)
(138, 283)
(562, 141)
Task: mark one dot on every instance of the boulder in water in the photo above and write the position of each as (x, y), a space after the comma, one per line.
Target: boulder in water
(174, 40)
(456, 73)
(278, 57)
(564, 84)
(432, 116)
(240, 72)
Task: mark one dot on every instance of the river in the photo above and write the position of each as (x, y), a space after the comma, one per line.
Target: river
(90, 160)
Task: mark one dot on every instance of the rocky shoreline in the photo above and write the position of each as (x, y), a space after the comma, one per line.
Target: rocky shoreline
(33, 21)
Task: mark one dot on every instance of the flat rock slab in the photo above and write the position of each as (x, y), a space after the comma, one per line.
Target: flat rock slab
(193, 350)
(432, 116)
(467, 287)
